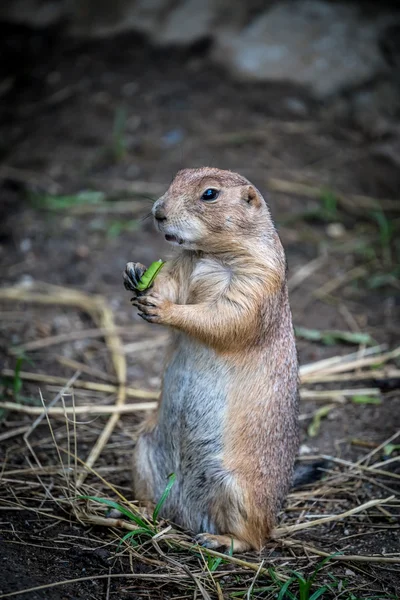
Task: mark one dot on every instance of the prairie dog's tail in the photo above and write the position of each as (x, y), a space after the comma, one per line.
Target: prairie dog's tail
(308, 473)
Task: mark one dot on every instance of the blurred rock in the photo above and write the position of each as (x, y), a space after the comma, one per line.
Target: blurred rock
(390, 45)
(328, 47)
(188, 23)
(374, 109)
(36, 13)
(102, 18)
(390, 151)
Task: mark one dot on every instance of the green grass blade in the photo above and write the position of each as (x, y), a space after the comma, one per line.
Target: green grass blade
(17, 385)
(267, 588)
(284, 589)
(299, 576)
(321, 564)
(362, 399)
(132, 534)
(120, 508)
(214, 563)
(319, 592)
(171, 481)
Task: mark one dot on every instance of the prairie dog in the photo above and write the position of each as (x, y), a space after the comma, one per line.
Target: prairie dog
(227, 419)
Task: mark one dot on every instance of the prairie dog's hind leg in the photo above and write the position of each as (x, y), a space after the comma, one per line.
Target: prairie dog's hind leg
(144, 470)
(237, 523)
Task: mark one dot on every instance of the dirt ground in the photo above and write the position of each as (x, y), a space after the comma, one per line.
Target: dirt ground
(118, 117)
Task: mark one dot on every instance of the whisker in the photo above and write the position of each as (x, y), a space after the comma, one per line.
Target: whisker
(146, 216)
(149, 198)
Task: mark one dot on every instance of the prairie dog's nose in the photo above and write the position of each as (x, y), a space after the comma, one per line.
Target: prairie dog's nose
(159, 211)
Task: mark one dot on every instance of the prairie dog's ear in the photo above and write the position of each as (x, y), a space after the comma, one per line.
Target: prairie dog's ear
(252, 196)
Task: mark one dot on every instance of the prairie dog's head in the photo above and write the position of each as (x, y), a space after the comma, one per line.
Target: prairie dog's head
(210, 209)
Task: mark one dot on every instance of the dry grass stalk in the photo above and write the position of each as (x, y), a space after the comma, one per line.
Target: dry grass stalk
(361, 467)
(337, 394)
(371, 374)
(280, 531)
(83, 368)
(305, 271)
(354, 203)
(321, 366)
(362, 362)
(337, 282)
(85, 385)
(144, 345)
(291, 543)
(73, 336)
(13, 433)
(391, 439)
(90, 409)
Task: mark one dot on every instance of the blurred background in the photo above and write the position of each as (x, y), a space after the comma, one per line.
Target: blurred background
(101, 103)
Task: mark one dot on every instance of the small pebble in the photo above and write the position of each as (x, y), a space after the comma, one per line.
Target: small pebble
(335, 230)
(25, 245)
(173, 137)
(296, 106)
(26, 281)
(82, 251)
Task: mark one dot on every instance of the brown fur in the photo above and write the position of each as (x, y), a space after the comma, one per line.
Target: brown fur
(226, 288)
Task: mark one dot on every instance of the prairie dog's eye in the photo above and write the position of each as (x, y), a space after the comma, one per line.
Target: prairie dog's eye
(210, 194)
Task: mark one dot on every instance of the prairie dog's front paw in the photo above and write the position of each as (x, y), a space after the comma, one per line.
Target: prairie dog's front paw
(153, 308)
(132, 274)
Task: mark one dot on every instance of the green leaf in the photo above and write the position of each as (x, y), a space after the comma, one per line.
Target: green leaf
(361, 399)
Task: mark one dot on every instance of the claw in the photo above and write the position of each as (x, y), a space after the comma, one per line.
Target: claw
(132, 274)
(148, 318)
(145, 302)
(128, 285)
(207, 541)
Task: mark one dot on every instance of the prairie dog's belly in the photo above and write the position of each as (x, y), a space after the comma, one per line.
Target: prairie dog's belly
(193, 398)
(188, 438)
